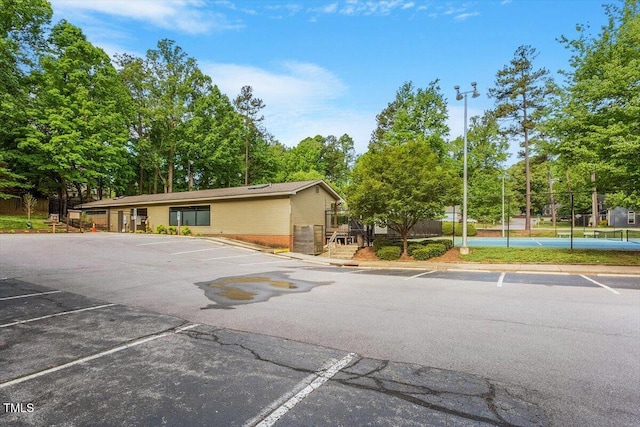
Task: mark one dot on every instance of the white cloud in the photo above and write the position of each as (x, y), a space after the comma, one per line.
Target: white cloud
(374, 7)
(188, 16)
(464, 16)
(301, 100)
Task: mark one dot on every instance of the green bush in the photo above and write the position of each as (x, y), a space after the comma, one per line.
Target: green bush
(447, 229)
(161, 229)
(414, 246)
(389, 253)
(429, 251)
(448, 244)
(172, 230)
(186, 231)
(379, 243)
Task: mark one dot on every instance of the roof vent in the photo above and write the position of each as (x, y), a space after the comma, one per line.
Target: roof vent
(260, 186)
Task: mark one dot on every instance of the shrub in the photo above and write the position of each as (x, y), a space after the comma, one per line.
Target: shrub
(186, 231)
(379, 243)
(389, 253)
(448, 244)
(414, 246)
(161, 229)
(172, 230)
(429, 251)
(447, 229)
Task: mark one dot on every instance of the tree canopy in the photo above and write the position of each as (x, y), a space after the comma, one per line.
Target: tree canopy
(597, 123)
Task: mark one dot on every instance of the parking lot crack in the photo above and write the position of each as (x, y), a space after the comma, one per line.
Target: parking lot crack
(213, 337)
(482, 406)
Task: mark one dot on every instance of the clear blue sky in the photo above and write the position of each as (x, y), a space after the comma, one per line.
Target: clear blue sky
(329, 66)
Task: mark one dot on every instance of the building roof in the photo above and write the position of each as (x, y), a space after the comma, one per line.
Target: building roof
(261, 190)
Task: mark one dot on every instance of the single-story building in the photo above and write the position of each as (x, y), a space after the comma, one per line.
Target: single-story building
(290, 214)
(623, 218)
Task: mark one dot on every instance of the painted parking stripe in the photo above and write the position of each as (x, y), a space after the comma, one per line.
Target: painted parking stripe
(197, 250)
(306, 388)
(64, 313)
(420, 275)
(29, 295)
(232, 256)
(268, 262)
(501, 279)
(164, 242)
(94, 356)
(546, 273)
(600, 284)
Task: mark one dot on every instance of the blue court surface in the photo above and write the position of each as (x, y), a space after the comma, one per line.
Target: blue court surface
(552, 242)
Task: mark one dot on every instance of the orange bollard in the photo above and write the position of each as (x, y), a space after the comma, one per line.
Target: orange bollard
(93, 228)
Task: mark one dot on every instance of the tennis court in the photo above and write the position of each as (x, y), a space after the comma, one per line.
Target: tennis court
(619, 240)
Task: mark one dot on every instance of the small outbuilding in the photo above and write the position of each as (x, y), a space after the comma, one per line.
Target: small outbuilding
(290, 214)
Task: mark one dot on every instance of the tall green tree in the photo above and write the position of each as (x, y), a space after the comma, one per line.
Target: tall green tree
(211, 152)
(487, 154)
(520, 92)
(78, 120)
(22, 26)
(414, 113)
(175, 81)
(250, 107)
(598, 125)
(397, 185)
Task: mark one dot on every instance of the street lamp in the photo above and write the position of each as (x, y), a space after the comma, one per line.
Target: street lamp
(464, 249)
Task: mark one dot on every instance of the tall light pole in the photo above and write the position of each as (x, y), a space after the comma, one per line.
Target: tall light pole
(464, 249)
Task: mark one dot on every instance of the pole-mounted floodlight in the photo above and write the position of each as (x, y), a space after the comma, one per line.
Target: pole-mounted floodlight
(464, 249)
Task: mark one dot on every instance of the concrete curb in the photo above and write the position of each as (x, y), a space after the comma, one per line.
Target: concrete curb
(443, 266)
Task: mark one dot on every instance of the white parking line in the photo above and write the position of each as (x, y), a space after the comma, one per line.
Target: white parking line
(64, 313)
(501, 279)
(197, 250)
(600, 284)
(421, 274)
(268, 262)
(308, 385)
(232, 256)
(29, 295)
(164, 242)
(550, 273)
(94, 356)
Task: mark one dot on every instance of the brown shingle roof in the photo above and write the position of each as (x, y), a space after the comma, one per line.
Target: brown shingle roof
(281, 189)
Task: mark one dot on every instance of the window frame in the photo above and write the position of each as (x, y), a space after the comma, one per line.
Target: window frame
(202, 215)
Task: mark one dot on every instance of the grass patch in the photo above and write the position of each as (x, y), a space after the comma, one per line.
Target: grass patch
(19, 222)
(551, 256)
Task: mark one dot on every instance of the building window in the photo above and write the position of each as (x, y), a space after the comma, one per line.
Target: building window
(190, 215)
(631, 217)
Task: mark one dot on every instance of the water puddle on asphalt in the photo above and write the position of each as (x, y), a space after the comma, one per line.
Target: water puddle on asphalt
(230, 291)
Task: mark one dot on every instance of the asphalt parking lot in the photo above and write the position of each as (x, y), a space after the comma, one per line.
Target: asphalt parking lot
(108, 329)
(72, 360)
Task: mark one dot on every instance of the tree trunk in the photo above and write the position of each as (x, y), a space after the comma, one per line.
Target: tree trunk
(594, 202)
(140, 189)
(246, 162)
(552, 200)
(170, 167)
(79, 188)
(405, 246)
(527, 170)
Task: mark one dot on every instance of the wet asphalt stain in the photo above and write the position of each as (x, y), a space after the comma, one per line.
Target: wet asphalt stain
(227, 292)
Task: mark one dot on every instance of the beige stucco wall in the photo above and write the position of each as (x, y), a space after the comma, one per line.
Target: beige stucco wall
(268, 220)
(268, 216)
(308, 206)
